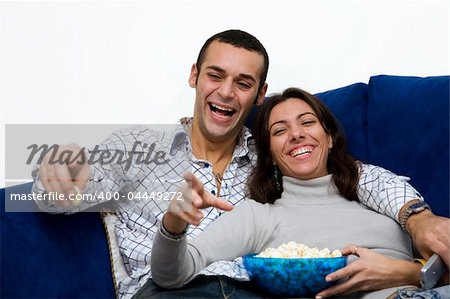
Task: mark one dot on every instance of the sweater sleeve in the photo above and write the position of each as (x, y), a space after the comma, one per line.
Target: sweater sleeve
(176, 262)
(384, 191)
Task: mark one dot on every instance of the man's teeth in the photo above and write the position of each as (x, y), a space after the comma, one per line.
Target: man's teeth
(222, 110)
(301, 151)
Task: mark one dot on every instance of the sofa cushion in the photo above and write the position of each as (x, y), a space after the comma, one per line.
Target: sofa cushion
(53, 256)
(349, 105)
(408, 132)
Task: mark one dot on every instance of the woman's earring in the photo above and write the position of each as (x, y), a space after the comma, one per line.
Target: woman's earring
(276, 177)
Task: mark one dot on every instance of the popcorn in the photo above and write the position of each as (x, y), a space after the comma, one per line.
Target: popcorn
(297, 250)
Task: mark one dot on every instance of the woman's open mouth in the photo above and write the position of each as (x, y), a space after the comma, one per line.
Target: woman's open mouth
(301, 151)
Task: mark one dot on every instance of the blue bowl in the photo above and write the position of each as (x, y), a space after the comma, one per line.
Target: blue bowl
(292, 277)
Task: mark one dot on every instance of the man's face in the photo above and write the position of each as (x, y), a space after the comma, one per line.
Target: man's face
(226, 87)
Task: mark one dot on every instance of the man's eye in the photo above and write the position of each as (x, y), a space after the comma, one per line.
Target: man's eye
(214, 76)
(244, 85)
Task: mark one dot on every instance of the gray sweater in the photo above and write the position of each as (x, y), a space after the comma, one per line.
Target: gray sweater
(311, 212)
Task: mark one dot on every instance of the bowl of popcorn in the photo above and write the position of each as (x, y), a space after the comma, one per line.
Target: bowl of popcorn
(293, 269)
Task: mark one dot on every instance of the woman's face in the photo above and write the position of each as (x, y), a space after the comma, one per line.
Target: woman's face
(298, 142)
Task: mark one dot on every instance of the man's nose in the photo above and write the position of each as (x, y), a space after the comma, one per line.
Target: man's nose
(226, 89)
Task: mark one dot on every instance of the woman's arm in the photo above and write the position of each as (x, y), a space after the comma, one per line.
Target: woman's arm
(174, 261)
(372, 271)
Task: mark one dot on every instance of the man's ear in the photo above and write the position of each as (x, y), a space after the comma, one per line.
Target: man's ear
(193, 76)
(261, 94)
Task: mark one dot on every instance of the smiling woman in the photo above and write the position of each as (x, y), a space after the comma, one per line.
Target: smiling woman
(300, 143)
(300, 138)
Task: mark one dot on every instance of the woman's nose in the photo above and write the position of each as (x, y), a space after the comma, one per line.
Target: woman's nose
(297, 133)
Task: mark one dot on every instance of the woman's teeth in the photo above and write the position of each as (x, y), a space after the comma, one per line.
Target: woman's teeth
(301, 151)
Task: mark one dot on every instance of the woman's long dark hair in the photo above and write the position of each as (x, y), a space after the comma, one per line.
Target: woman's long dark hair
(343, 167)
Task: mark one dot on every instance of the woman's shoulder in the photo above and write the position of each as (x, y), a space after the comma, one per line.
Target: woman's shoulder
(256, 204)
(256, 208)
(252, 205)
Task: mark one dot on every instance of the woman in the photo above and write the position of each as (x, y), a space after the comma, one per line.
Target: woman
(305, 184)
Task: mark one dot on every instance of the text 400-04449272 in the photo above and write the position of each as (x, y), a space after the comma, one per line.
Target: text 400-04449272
(167, 195)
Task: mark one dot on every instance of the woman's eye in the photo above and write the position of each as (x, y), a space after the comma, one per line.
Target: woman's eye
(308, 122)
(278, 132)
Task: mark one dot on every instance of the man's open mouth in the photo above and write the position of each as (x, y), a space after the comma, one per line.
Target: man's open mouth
(223, 111)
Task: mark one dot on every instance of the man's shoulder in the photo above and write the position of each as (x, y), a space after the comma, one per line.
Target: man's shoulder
(374, 171)
(151, 133)
(246, 146)
(139, 131)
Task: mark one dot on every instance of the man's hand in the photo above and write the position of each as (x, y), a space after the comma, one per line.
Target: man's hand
(188, 210)
(430, 234)
(372, 271)
(65, 171)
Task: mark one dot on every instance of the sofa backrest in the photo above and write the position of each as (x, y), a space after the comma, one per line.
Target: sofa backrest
(408, 132)
(349, 105)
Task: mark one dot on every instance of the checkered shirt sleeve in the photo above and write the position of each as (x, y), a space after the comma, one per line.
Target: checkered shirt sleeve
(384, 191)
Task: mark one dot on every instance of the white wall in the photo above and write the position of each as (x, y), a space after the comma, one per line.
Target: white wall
(128, 62)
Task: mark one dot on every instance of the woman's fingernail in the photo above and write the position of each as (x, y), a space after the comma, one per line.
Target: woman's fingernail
(328, 278)
(319, 297)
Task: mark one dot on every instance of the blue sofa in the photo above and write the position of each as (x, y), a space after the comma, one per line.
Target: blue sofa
(400, 123)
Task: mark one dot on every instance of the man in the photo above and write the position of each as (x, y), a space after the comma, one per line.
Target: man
(228, 77)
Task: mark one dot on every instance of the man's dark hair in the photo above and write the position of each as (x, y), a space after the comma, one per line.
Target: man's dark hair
(238, 39)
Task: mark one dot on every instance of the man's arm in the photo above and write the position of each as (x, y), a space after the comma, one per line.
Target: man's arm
(430, 233)
(65, 179)
(384, 191)
(95, 176)
(391, 195)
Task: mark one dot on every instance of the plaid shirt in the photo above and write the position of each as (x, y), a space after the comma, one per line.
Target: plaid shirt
(137, 221)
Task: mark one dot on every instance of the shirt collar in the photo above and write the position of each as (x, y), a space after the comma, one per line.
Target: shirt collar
(183, 131)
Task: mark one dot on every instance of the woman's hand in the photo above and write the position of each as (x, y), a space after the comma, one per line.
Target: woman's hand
(188, 209)
(372, 271)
